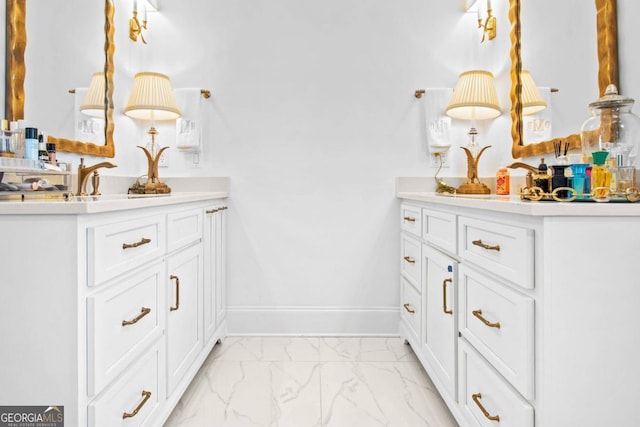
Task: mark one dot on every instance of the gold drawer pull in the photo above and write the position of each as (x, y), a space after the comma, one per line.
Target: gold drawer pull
(143, 312)
(177, 279)
(143, 241)
(408, 308)
(408, 218)
(444, 296)
(485, 246)
(224, 208)
(211, 211)
(476, 398)
(478, 314)
(147, 395)
(410, 260)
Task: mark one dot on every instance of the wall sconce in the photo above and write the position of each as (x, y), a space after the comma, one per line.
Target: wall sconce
(488, 25)
(152, 99)
(474, 98)
(135, 26)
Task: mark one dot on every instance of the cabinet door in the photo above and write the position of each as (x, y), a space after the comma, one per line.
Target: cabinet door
(221, 280)
(213, 269)
(184, 296)
(440, 333)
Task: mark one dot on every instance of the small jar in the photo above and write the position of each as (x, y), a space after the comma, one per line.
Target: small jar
(502, 182)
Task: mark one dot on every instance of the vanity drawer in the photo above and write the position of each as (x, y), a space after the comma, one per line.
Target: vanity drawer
(499, 248)
(411, 220)
(139, 389)
(410, 250)
(439, 229)
(499, 323)
(183, 228)
(122, 246)
(484, 394)
(411, 310)
(122, 321)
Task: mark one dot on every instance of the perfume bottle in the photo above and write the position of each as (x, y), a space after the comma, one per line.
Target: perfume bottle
(600, 177)
(579, 180)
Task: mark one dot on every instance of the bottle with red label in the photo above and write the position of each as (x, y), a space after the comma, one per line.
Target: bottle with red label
(502, 182)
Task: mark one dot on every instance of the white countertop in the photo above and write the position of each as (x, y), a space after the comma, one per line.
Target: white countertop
(513, 204)
(104, 203)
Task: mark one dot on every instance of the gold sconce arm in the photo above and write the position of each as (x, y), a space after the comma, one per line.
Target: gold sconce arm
(135, 28)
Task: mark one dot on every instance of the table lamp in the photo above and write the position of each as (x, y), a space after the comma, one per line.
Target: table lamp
(474, 98)
(152, 99)
(531, 98)
(94, 102)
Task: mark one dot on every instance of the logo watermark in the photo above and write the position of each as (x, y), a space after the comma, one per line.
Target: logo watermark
(31, 416)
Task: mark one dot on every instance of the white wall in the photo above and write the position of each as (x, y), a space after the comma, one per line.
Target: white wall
(313, 117)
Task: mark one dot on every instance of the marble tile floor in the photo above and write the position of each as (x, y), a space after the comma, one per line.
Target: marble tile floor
(311, 382)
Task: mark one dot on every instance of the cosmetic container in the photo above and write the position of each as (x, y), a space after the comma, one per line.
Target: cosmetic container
(542, 178)
(31, 143)
(502, 182)
(559, 180)
(579, 181)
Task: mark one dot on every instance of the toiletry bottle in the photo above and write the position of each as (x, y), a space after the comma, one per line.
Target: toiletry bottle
(51, 151)
(559, 180)
(600, 177)
(502, 182)
(542, 177)
(31, 143)
(5, 140)
(17, 139)
(42, 149)
(579, 180)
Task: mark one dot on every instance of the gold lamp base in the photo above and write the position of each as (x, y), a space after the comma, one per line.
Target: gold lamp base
(473, 188)
(473, 184)
(153, 184)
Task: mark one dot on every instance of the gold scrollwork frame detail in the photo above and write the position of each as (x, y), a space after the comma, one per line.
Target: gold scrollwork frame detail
(607, 28)
(16, 32)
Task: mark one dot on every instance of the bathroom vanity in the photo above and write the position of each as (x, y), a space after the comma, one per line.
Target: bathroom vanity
(524, 314)
(110, 304)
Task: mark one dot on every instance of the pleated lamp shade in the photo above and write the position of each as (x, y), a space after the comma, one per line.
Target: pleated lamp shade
(531, 98)
(152, 98)
(474, 97)
(93, 103)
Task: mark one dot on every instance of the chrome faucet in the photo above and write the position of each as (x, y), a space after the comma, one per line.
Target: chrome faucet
(83, 176)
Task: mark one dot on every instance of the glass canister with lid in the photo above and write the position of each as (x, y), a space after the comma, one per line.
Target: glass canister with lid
(612, 127)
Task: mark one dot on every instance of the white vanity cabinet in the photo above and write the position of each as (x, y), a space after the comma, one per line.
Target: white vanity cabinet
(214, 268)
(105, 306)
(545, 310)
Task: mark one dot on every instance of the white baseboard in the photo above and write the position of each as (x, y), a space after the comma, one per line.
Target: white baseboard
(313, 321)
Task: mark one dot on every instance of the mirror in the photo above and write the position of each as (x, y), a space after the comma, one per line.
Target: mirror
(16, 69)
(606, 24)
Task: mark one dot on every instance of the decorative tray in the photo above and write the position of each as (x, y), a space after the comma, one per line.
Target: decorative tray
(568, 194)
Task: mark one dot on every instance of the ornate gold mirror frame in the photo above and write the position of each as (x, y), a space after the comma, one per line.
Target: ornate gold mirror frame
(16, 69)
(607, 27)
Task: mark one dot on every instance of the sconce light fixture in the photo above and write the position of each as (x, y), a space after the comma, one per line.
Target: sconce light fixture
(135, 26)
(532, 101)
(487, 25)
(94, 101)
(152, 99)
(474, 98)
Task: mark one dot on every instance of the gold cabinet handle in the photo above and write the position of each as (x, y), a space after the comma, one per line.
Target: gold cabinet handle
(409, 219)
(444, 295)
(410, 260)
(143, 312)
(478, 314)
(146, 395)
(211, 211)
(476, 398)
(408, 308)
(485, 246)
(224, 208)
(177, 279)
(143, 241)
